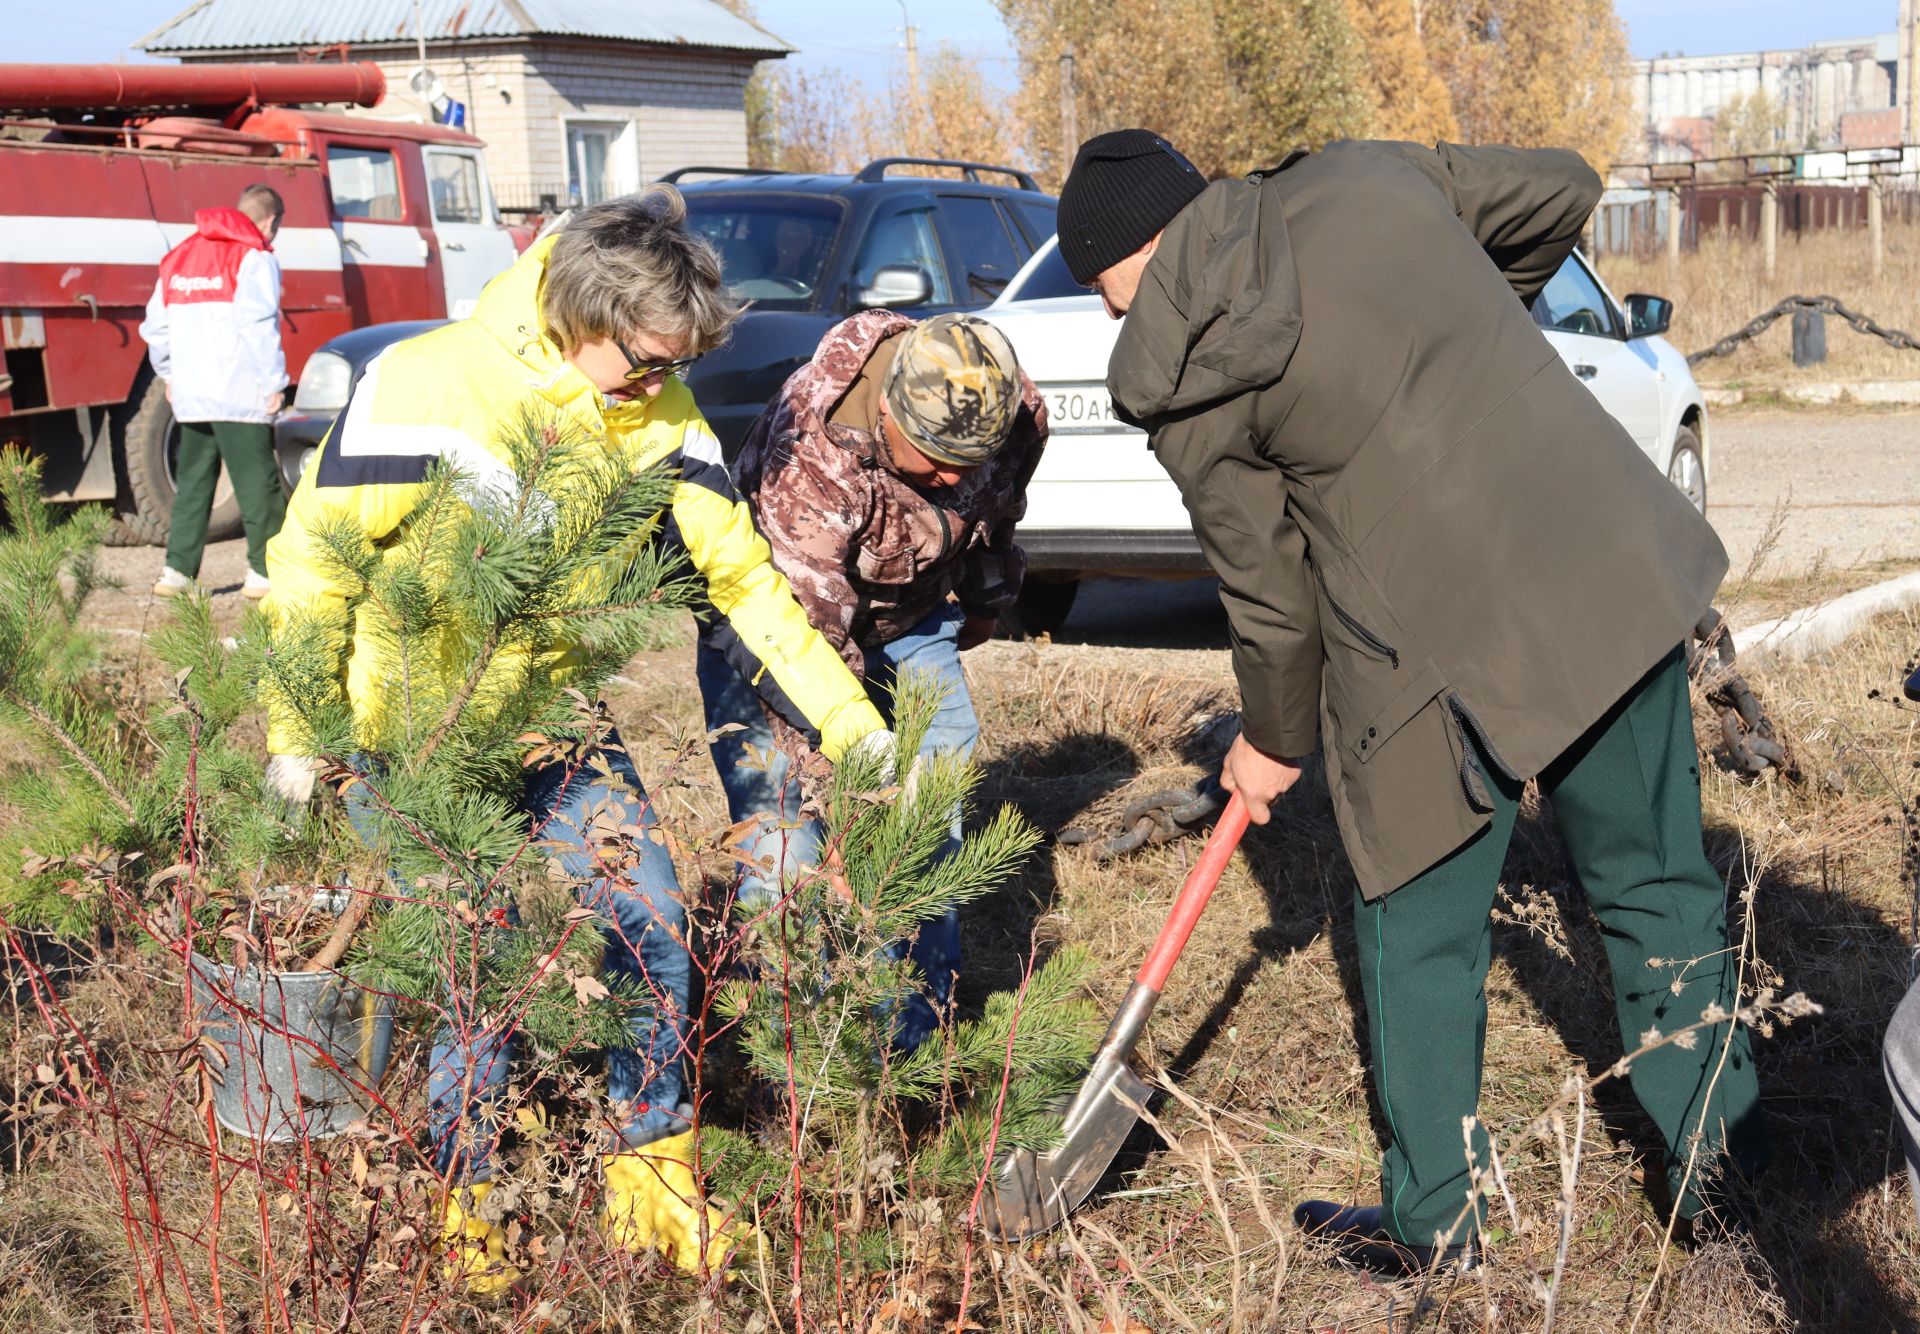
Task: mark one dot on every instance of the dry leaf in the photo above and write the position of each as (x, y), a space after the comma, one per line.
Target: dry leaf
(173, 872)
(741, 830)
(407, 1233)
(589, 988)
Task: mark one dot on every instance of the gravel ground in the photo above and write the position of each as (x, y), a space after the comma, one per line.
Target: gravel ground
(1850, 481)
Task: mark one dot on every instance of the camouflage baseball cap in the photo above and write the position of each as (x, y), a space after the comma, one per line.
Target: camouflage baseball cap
(954, 389)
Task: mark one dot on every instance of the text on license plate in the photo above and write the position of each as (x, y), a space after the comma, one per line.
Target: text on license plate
(1082, 409)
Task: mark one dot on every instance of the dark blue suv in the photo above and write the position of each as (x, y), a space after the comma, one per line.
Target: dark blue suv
(809, 251)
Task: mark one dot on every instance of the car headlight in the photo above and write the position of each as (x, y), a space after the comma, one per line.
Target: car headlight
(324, 383)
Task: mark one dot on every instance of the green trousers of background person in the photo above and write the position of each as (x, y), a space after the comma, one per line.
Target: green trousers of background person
(247, 450)
(1627, 799)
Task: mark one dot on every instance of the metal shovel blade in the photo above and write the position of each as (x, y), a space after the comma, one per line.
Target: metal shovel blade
(1033, 1192)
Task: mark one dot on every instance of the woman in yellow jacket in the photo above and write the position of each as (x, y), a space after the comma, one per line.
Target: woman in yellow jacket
(592, 324)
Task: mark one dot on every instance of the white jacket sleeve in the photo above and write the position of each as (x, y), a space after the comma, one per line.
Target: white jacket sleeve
(256, 309)
(155, 333)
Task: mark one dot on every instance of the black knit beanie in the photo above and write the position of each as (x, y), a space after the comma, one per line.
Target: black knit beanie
(1124, 187)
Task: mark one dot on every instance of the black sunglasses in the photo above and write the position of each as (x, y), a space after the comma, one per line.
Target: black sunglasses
(646, 370)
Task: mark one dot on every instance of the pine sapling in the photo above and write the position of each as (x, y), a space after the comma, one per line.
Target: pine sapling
(508, 602)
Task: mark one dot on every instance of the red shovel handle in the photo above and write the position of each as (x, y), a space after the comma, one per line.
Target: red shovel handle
(1194, 895)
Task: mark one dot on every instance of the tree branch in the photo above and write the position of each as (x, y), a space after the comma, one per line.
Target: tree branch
(51, 726)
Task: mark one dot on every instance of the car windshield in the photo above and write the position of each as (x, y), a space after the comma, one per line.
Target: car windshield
(773, 248)
(1046, 279)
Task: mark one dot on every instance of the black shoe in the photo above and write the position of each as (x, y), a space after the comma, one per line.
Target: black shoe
(1363, 1240)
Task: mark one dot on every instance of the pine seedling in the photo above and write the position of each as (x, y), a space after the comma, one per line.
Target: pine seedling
(509, 603)
(817, 1016)
(106, 799)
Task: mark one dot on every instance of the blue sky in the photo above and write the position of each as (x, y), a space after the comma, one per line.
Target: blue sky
(864, 36)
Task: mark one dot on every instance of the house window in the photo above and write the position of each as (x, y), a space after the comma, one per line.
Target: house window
(599, 158)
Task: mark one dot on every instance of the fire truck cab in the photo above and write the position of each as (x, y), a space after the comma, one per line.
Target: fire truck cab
(102, 169)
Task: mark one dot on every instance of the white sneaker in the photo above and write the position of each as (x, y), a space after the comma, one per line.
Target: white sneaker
(172, 584)
(256, 586)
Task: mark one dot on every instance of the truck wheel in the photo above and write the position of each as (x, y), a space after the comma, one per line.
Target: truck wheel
(148, 439)
(1041, 610)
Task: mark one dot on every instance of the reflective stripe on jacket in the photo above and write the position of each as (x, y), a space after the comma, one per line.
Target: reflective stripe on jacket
(449, 394)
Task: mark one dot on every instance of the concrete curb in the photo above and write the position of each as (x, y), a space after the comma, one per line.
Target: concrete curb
(1816, 394)
(1801, 634)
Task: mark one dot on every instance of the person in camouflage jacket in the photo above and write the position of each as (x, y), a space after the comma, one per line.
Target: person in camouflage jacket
(887, 476)
(870, 547)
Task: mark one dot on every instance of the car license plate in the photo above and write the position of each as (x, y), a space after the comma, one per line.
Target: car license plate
(1082, 409)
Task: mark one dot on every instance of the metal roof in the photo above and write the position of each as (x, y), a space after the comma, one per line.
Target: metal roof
(250, 24)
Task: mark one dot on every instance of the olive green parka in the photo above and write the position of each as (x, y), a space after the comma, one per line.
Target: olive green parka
(1421, 520)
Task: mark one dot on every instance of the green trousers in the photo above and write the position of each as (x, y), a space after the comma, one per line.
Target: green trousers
(1627, 800)
(247, 450)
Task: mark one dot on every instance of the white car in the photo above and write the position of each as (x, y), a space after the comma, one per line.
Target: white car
(1100, 502)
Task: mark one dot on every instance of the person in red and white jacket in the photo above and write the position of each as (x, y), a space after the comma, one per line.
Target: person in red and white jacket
(213, 334)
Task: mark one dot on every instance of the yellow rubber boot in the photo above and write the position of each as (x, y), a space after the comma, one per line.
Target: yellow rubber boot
(477, 1249)
(654, 1202)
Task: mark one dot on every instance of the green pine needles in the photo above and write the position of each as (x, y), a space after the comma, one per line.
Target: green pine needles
(479, 635)
(817, 1016)
(105, 800)
(495, 614)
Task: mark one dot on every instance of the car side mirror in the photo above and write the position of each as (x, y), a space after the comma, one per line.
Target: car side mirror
(1648, 315)
(895, 285)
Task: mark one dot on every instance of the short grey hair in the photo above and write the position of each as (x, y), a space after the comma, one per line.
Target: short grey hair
(631, 266)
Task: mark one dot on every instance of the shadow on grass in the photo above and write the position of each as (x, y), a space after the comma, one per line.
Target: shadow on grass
(1831, 1141)
(1048, 783)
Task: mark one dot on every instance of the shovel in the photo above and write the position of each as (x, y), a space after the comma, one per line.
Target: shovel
(1032, 1191)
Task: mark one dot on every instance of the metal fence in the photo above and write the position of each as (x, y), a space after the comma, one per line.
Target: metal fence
(1635, 221)
(521, 199)
(1671, 206)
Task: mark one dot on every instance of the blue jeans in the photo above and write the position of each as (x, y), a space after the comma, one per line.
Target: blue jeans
(787, 842)
(645, 928)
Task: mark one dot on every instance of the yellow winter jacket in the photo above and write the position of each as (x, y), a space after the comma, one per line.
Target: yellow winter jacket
(446, 395)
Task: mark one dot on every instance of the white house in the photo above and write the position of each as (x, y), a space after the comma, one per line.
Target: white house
(578, 100)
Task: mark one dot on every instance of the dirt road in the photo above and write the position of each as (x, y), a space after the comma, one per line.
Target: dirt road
(1850, 482)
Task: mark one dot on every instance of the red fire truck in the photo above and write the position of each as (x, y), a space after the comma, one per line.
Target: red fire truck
(101, 170)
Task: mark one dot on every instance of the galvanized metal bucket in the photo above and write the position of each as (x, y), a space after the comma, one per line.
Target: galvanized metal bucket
(298, 1048)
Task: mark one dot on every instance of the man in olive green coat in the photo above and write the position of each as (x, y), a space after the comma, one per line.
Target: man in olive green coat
(1449, 568)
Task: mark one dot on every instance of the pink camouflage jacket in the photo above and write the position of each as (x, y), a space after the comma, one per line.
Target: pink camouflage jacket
(868, 554)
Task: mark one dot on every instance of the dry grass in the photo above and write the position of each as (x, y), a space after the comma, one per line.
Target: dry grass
(1258, 1039)
(1723, 284)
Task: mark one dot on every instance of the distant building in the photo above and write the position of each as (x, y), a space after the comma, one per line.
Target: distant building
(577, 101)
(1907, 91)
(1818, 87)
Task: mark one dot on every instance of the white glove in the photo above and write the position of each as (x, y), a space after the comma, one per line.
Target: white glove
(290, 778)
(881, 746)
(912, 785)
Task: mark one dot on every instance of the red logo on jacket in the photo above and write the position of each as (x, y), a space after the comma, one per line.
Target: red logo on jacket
(203, 267)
